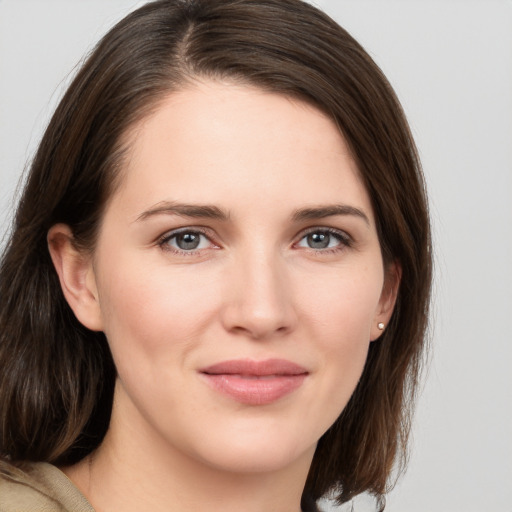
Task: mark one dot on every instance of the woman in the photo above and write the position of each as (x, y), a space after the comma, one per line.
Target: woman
(216, 290)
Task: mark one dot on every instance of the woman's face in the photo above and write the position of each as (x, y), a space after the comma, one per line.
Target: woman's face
(238, 278)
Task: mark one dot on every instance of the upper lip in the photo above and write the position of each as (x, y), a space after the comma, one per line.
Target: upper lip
(255, 368)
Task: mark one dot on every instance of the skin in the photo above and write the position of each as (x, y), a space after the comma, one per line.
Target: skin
(253, 289)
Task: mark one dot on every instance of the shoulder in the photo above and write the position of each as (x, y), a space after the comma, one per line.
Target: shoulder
(37, 487)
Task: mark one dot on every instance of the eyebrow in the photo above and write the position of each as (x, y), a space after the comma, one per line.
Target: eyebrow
(196, 211)
(199, 211)
(321, 212)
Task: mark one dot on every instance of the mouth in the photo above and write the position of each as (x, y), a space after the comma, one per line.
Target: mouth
(255, 382)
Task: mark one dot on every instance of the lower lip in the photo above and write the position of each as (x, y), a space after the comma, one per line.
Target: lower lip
(255, 390)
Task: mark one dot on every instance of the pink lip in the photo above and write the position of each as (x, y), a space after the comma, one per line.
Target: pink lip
(255, 382)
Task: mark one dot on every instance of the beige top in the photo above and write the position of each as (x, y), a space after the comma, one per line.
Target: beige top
(39, 487)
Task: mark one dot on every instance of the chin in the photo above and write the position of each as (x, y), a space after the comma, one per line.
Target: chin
(258, 460)
(263, 450)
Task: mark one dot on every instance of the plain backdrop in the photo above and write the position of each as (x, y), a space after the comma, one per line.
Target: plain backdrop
(451, 64)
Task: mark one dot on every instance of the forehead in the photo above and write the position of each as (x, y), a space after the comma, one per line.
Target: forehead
(212, 139)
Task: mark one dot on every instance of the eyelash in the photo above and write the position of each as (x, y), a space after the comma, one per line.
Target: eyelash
(163, 241)
(342, 237)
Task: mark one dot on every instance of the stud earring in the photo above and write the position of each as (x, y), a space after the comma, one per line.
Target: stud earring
(380, 325)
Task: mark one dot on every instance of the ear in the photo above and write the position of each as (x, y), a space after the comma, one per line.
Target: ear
(387, 301)
(76, 275)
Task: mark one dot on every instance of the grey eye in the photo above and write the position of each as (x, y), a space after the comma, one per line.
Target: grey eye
(188, 241)
(318, 240)
(323, 239)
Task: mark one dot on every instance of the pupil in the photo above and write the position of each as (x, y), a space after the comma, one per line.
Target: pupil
(188, 241)
(318, 240)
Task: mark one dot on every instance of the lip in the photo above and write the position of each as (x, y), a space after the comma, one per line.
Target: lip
(255, 382)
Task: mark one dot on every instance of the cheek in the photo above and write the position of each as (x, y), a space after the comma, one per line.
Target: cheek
(341, 315)
(343, 305)
(145, 308)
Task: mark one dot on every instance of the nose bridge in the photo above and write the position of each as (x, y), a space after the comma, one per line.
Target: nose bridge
(260, 303)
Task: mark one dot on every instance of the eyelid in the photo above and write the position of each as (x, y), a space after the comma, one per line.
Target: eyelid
(345, 239)
(162, 240)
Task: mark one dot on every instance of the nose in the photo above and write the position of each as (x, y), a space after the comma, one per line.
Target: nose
(259, 298)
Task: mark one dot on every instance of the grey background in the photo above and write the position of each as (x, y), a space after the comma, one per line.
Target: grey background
(451, 64)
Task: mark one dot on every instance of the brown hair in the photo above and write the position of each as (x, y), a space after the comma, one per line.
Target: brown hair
(56, 376)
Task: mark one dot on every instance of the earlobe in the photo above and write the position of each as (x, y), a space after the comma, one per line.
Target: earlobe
(387, 300)
(76, 276)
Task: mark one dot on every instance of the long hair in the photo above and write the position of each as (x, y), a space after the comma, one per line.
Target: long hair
(56, 376)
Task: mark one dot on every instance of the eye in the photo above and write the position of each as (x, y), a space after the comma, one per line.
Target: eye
(321, 239)
(186, 240)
